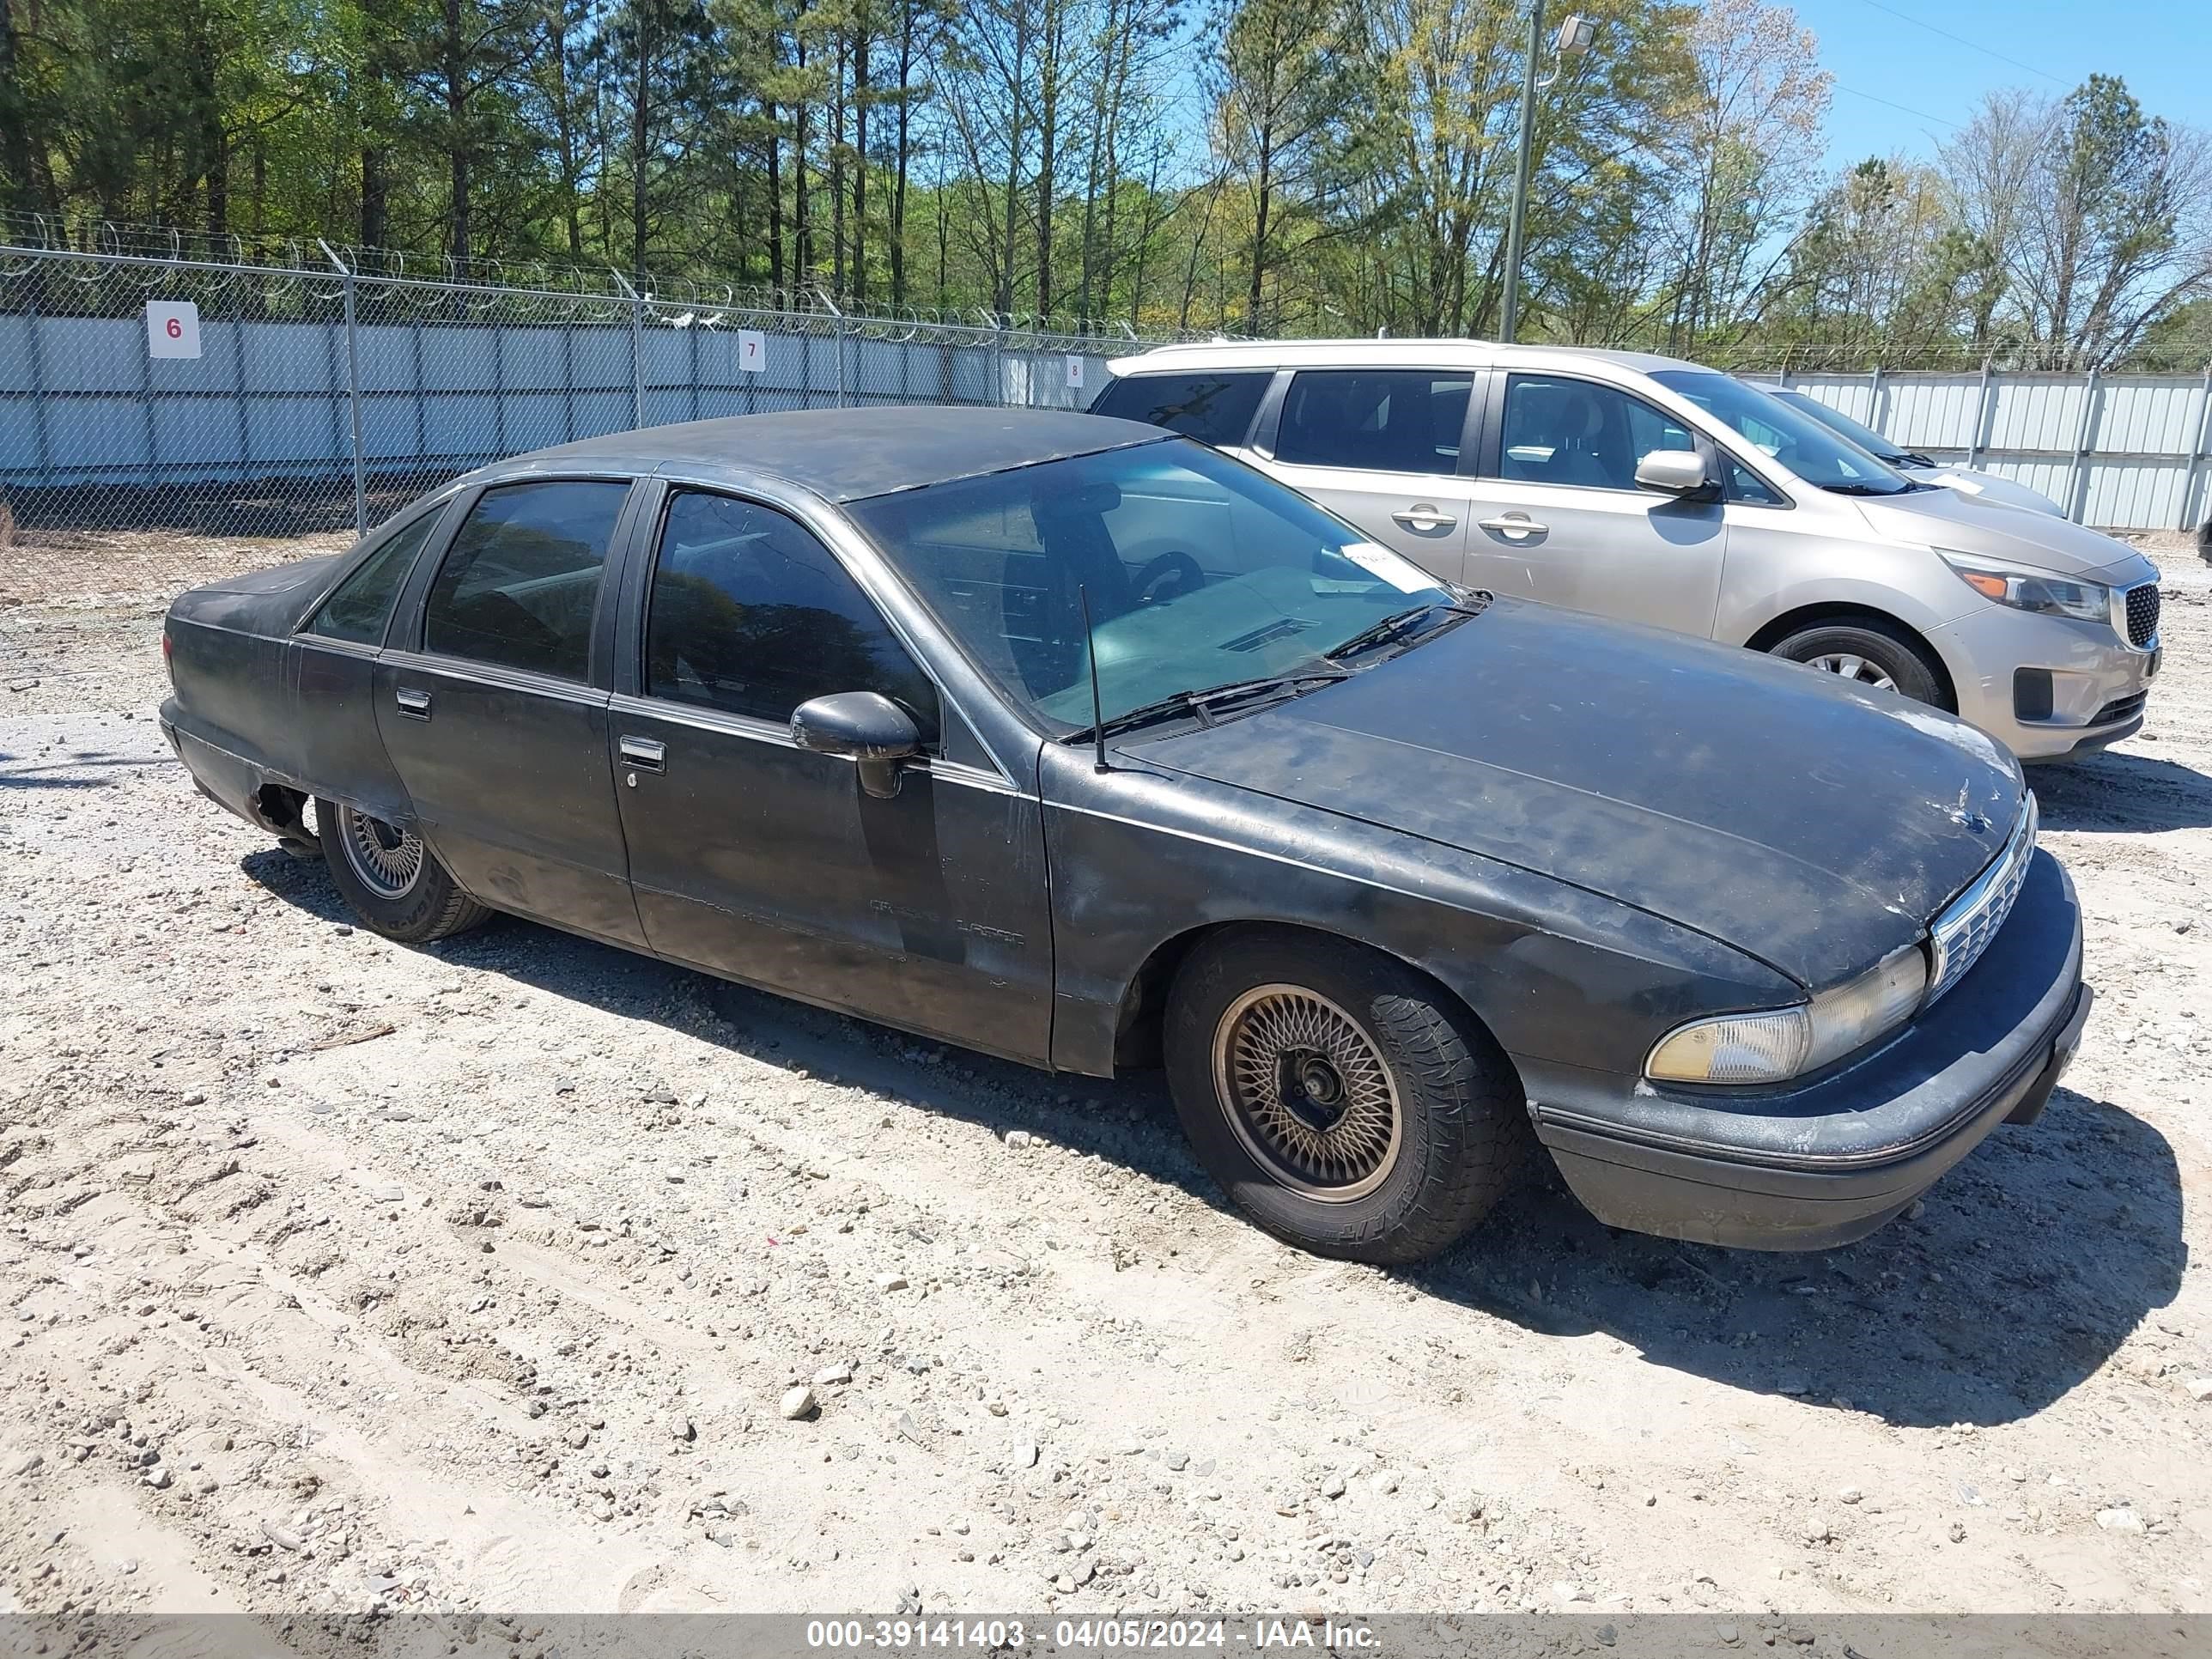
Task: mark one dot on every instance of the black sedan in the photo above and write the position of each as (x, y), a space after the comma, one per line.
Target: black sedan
(1059, 737)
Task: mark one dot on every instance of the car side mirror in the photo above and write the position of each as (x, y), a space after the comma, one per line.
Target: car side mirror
(865, 727)
(1678, 472)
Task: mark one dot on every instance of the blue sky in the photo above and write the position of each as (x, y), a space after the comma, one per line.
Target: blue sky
(2161, 48)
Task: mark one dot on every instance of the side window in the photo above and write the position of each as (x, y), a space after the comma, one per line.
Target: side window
(750, 614)
(359, 606)
(1565, 431)
(1390, 420)
(520, 582)
(1743, 484)
(1215, 408)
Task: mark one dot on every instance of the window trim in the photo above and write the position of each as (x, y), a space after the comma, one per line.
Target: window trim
(633, 682)
(1269, 422)
(414, 600)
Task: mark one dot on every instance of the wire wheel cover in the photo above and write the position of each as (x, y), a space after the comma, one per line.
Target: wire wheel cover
(1308, 1093)
(387, 859)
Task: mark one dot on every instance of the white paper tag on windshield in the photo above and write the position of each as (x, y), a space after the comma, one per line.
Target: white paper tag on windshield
(1401, 574)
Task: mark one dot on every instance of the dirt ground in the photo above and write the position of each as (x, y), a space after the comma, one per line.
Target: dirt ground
(339, 1275)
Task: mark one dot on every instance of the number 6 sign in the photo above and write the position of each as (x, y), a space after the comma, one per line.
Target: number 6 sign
(173, 328)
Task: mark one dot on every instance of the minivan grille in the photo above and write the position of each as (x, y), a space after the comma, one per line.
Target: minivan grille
(2142, 615)
(1964, 931)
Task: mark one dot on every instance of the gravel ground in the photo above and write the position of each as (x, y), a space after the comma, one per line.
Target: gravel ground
(520, 1275)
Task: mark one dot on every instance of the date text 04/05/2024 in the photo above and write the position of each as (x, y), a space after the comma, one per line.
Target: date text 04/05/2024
(1086, 1635)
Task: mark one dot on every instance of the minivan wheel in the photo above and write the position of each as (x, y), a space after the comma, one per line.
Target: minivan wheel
(1343, 1100)
(1870, 652)
(390, 879)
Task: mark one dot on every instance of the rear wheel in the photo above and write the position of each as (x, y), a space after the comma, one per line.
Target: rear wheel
(390, 879)
(1338, 1096)
(1868, 650)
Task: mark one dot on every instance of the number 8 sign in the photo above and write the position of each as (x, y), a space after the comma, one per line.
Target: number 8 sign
(173, 328)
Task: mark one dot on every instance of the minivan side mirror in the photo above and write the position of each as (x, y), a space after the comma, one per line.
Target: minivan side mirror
(1678, 473)
(865, 727)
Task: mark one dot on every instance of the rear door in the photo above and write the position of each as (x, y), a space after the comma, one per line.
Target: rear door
(1558, 515)
(492, 702)
(1382, 448)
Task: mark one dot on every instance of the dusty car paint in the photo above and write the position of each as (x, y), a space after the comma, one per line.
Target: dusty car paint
(1585, 857)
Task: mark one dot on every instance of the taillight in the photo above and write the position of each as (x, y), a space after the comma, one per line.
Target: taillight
(168, 646)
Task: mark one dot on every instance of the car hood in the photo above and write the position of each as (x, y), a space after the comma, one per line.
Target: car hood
(1949, 519)
(1987, 487)
(1809, 824)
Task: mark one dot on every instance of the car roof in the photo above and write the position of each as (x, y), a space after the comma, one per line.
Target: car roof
(848, 455)
(1454, 353)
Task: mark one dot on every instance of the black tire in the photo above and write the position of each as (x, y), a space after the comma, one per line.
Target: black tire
(425, 906)
(1462, 1125)
(1877, 642)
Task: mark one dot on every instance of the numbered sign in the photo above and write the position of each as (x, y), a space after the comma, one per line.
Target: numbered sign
(173, 328)
(752, 352)
(1074, 372)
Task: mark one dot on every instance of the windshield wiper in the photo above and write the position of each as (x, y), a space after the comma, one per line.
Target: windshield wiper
(1203, 701)
(1393, 627)
(1867, 488)
(1912, 458)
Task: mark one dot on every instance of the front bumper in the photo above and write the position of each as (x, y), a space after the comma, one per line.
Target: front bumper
(1832, 1160)
(2098, 683)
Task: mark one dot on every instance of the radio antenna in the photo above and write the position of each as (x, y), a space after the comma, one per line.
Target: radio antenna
(1098, 712)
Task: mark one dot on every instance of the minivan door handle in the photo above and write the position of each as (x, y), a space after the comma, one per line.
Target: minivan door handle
(1421, 516)
(413, 702)
(1514, 524)
(645, 754)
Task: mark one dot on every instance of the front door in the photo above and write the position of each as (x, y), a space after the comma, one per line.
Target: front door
(491, 717)
(759, 861)
(1380, 447)
(1558, 515)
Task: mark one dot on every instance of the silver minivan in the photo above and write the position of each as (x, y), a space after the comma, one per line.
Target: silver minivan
(1656, 491)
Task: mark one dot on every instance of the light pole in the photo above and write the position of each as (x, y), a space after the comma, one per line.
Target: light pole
(1572, 40)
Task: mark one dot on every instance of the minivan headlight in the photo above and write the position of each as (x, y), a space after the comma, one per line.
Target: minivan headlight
(1773, 1045)
(2032, 590)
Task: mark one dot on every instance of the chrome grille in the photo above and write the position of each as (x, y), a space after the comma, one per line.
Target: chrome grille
(2142, 615)
(1964, 929)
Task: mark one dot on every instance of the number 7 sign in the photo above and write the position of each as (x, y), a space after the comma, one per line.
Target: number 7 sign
(173, 328)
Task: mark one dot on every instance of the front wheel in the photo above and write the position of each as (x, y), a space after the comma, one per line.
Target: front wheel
(1870, 652)
(390, 879)
(1342, 1100)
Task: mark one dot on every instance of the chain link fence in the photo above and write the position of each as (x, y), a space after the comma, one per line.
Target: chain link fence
(151, 402)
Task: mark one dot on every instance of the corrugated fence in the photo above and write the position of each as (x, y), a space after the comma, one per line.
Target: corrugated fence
(2122, 452)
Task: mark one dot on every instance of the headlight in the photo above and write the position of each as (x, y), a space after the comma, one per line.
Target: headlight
(1773, 1045)
(2032, 590)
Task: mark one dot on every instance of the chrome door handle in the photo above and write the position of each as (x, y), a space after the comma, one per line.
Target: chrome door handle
(645, 754)
(414, 704)
(1514, 524)
(1422, 516)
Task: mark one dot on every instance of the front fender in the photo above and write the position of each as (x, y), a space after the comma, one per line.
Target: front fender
(1140, 861)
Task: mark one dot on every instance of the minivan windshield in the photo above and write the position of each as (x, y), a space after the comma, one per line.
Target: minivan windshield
(1808, 448)
(1205, 580)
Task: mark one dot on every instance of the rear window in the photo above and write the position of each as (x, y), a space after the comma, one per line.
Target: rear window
(1391, 420)
(1215, 408)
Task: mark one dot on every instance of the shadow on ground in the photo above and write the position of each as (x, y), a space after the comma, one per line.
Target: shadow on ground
(16, 773)
(2029, 1265)
(2126, 793)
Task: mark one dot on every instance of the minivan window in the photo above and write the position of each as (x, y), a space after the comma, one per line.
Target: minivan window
(1379, 420)
(1560, 430)
(1212, 406)
(1792, 437)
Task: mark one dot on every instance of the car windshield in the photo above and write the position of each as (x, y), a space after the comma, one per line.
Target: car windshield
(1836, 421)
(1200, 573)
(1814, 452)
